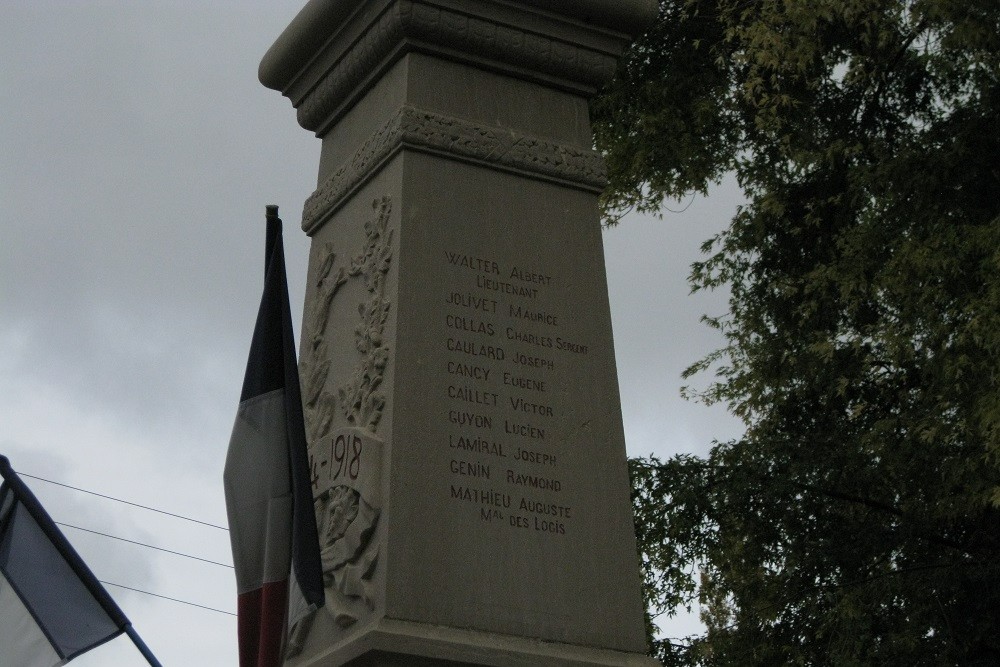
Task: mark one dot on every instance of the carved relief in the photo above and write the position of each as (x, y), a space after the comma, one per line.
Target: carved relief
(360, 398)
(347, 501)
(433, 132)
(503, 147)
(346, 462)
(348, 510)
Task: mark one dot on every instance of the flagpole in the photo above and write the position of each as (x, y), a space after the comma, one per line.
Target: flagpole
(141, 645)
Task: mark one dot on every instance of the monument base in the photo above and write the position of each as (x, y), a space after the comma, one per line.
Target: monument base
(395, 643)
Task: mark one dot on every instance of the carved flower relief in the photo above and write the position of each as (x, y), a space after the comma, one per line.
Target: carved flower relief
(373, 263)
(349, 555)
(380, 358)
(347, 525)
(368, 332)
(336, 512)
(360, 401)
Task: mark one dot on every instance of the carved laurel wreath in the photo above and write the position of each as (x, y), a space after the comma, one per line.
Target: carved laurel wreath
(360, 397)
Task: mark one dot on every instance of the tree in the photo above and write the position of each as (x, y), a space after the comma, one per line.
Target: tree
(858, 520)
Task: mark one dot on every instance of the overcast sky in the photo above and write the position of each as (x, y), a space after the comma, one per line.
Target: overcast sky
(137, 153)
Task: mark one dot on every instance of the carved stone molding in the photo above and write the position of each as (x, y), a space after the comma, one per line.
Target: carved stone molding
(431, 132)
(422, 25)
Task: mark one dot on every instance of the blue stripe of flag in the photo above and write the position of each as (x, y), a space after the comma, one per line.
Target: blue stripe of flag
(64, 598)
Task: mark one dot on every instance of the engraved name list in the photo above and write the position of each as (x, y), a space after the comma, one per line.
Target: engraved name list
(504, 341)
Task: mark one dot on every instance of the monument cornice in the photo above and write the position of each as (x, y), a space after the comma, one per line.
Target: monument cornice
(430, 132)
(572, 45)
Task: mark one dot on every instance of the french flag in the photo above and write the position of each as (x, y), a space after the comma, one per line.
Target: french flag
(272, 525)
(52, 607)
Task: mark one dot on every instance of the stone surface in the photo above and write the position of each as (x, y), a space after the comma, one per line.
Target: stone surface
(457, 359)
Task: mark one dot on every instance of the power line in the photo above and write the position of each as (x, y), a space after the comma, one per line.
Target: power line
(143, 544)
(157, 595)
(119, 500)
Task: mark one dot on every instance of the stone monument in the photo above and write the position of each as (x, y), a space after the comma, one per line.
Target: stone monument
(457, 362)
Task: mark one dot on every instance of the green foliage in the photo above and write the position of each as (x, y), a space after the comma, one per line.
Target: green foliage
(858, 520)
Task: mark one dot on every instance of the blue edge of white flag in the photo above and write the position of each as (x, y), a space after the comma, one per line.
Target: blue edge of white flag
(52, 607)
(272, 523)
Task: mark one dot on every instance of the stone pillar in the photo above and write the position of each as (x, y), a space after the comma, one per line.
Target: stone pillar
(457, 360)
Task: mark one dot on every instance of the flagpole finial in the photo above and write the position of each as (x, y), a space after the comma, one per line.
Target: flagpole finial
(272, 210)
